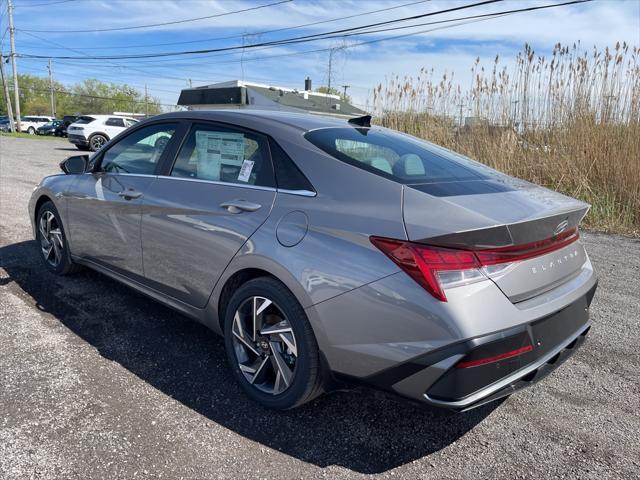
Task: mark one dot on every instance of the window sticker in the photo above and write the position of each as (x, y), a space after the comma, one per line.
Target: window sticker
(219, 153)
(245, 171)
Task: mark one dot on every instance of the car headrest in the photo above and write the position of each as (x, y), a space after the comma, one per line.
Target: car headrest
(381, 164)
(409, 165)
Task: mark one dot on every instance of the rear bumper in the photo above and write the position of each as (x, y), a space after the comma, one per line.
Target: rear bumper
(78, 140)
(436, 379)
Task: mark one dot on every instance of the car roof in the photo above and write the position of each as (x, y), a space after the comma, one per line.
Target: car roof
(300, 121)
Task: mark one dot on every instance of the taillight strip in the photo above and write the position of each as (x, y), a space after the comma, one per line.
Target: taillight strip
(525, 251)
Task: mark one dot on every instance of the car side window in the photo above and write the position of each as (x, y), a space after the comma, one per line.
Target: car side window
(288, 175)
(223, 154)
(138, 152)
(115, 122)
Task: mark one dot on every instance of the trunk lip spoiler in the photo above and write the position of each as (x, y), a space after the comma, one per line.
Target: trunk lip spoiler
(512, 234)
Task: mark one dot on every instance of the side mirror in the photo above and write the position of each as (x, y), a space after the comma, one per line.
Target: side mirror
(75, 165)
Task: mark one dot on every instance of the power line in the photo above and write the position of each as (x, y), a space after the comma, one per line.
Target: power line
(28, 5)
(264, 32)
(151, 25)
(460, 20)
(302, 39)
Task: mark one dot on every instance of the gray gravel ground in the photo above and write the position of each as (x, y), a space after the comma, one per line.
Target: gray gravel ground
(97, 381)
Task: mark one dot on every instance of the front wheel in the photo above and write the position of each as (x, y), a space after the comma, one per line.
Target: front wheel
(31, 131)
(53, 244)
(270, 345)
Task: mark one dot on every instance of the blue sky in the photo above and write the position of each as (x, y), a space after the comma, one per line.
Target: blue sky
(452, 49)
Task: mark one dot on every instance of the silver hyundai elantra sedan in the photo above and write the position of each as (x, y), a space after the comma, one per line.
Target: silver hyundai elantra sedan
(326, 249)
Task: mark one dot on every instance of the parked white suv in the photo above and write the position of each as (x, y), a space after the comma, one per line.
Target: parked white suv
(30, 123)
(91, 132)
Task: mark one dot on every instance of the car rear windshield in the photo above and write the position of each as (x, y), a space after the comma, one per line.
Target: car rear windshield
(85, 119)
(399, 157)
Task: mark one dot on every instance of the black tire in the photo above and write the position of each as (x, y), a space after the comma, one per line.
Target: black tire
(306, 383)
(84, 148)
(97, 141)
(31, 131)
(65, 266)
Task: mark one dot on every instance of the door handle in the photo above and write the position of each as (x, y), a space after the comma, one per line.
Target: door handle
(130, 194)
(239, 206)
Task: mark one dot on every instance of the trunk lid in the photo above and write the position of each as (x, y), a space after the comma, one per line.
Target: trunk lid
(498, 212)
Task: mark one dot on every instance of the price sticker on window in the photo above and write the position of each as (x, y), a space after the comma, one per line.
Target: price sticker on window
(245, 171)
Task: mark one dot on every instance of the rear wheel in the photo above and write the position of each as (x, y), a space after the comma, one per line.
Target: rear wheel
(52, 241)
(270, 345)
(97, 141)
(31, 131)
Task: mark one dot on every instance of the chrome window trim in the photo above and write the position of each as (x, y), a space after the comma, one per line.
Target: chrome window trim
(122, 174)
(217, 182)
(301, 193)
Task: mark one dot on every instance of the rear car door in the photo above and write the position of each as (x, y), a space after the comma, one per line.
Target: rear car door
(205, 206)
(113, 126)
(104, 206)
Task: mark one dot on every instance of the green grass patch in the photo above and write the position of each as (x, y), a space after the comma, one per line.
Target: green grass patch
(26, 135)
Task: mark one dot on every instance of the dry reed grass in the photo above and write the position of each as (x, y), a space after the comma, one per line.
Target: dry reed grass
(570, 122)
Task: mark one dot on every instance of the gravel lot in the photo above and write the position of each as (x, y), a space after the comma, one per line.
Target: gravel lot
(97, 381)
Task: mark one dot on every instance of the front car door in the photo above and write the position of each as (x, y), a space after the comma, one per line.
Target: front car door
(204, 207)
(104, 206)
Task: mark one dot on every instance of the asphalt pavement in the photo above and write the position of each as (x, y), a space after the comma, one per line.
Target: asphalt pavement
(97, 381)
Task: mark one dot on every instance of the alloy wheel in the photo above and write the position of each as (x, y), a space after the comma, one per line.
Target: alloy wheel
(51, 242)
(98, 142)
(264, 344)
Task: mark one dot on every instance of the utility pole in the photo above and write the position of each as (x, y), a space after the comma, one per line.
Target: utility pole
(51, 94)
(146, 101)
(344, 95)
(330, 64)
(16, 91)
(7, 97)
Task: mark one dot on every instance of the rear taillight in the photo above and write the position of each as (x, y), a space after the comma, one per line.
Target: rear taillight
(432, 267)
(437, 268)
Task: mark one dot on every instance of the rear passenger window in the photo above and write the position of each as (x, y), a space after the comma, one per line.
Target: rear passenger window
(222, 154)
(288, 175)
(115, 122)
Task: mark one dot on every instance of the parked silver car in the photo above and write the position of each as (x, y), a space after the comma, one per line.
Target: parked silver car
(326, 249)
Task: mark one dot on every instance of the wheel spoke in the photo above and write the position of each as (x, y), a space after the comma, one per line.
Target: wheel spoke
(49, 218)
(241, 335)
(57, 254)
(42, 227)
(280, 365)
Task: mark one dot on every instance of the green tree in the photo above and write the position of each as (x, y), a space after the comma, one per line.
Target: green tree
(88, 96)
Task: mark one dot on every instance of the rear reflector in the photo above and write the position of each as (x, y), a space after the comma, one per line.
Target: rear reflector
(495, 358)
(436, 268)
